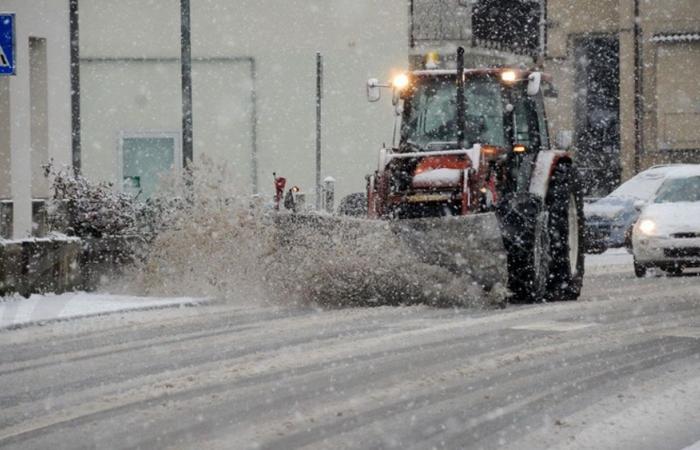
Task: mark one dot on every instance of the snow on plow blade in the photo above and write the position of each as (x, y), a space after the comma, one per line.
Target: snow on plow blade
(445, 260)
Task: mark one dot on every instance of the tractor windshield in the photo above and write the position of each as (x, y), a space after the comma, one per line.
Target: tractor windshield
(430, 113)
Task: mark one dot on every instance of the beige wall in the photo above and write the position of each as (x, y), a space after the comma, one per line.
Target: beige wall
(678, 102)
(671, 92)
(359, 39)
(566, 17)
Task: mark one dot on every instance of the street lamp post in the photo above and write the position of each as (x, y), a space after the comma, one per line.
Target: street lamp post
(186, 75)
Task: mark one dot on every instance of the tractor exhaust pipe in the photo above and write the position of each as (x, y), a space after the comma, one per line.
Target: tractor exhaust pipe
(460, 97)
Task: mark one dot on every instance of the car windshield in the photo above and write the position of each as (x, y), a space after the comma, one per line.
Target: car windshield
(431, 112)
(679, 190)
(640, 187)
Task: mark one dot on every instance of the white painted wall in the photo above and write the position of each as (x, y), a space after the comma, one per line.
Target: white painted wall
(45, 19)
(359, 39)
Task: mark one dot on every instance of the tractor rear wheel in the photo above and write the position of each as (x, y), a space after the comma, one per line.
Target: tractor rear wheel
(564, 204)
(524, 224)
(544, 240)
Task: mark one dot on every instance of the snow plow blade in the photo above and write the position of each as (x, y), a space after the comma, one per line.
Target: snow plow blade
(441, 255)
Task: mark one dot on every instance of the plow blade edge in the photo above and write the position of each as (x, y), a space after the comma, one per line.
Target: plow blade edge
(470, 247)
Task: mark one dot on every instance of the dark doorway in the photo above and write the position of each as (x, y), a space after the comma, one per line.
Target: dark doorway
(597, 108)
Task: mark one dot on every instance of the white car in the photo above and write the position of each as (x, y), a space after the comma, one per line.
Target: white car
(667, 234)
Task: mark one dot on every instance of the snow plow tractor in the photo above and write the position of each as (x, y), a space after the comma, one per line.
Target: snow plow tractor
(471, 185)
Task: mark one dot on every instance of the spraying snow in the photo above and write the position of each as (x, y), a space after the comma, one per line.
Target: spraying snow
(217, 243)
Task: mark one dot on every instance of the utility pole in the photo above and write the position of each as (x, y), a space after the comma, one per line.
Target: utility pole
(186, 75)
(75, 85)
(319, 95)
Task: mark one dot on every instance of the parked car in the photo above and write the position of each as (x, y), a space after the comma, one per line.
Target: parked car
(667, 234)
(609, 220)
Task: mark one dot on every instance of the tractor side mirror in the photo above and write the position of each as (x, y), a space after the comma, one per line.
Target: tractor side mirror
(374, 92)
(564, 139)
(534, 80)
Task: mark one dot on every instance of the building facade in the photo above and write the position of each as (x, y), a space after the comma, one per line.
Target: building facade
(35, 111)
(441, 26)
(253, 88)
(625, 71)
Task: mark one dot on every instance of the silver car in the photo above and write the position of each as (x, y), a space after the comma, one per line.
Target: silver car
(609, 220)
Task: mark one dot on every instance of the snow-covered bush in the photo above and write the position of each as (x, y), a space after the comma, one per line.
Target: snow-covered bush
(83, 208)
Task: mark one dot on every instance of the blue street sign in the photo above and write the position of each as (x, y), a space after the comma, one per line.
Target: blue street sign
(7, 44)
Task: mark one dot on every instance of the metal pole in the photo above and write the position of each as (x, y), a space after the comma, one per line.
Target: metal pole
(254, 127)
(542, 44)
(319, 94)
(186, 75)
(75, 85)
(328, 194)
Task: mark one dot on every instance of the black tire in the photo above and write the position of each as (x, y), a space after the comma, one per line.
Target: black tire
(674, 270)
(640, 270)
(595, 250)
(564, 205)
(353, 205)
(525, 240)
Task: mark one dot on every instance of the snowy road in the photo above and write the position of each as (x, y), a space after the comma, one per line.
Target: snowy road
(618, 369)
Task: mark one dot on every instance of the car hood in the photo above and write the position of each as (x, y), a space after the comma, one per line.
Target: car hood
(609, 207)
(674, 217)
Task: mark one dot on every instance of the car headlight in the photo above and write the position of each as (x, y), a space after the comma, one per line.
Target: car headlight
(647, 226)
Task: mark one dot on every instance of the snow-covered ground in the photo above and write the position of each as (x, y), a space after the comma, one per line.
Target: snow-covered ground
(18, 311)
(614, 260)
(619, 369)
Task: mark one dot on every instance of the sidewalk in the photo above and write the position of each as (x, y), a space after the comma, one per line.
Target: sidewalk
(16, 312)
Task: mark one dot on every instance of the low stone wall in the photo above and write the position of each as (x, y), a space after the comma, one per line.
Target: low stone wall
(39, 265)
(59, 264)
(104, 258)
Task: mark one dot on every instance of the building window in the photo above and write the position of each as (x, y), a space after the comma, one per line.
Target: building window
(145, 158)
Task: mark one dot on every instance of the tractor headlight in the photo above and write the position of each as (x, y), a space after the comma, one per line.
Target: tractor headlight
(508, 76)
(400, 81)
(647, 226)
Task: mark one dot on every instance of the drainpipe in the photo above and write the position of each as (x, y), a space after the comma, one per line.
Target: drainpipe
(542, 44)
(638, 99)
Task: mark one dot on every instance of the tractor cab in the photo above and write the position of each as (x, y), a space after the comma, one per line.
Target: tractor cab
(501, 108)
(463, 142)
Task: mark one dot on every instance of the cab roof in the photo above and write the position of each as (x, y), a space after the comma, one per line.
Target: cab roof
(479, 71)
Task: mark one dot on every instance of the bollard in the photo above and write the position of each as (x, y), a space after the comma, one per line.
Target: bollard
(328, 193)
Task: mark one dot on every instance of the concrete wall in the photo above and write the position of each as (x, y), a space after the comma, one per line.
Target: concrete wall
(47, 126)
(130, 82)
